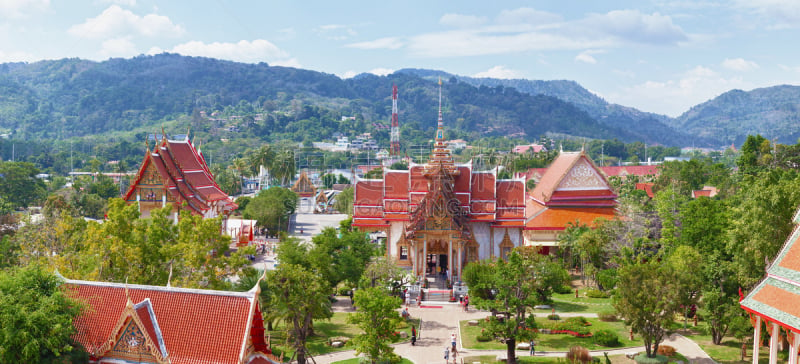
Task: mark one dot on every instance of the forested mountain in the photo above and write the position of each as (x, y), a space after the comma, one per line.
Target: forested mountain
(72, 98)
(643, 125)
(773, 112)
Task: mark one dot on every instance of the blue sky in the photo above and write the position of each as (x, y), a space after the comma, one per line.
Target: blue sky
(657, 56)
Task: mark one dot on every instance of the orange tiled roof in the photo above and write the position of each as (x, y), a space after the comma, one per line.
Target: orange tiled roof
(647, 188)
(555, 173)
(197, 326)
(775, 298)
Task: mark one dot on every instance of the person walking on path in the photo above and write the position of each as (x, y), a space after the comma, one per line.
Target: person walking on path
(454, 354)
(446, 355)
(533, 347)
(413, 335)
(453, 340)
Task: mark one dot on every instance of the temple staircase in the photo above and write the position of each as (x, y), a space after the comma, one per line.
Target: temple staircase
(437, 290)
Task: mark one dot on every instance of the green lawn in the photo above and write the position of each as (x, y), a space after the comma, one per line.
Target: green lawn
(324, 329)
(490, 359)
(548, 342)
(358, 361)
(566, 302)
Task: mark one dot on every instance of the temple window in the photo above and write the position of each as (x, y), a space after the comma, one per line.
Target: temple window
(505, 246)
(403, 253)
(472, 252)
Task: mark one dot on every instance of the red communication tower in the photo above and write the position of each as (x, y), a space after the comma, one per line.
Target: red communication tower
(394, 149)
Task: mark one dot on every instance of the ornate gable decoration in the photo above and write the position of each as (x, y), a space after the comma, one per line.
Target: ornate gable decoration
(582, 176)
(303, 186)
(136, 338)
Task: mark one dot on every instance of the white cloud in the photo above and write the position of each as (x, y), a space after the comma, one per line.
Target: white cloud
(499, 72)
(381, 71)
(789, 68)
(20, 8)
(380, 43)
(16, 56)
(739, 64)
(526, 29)
(632, 25)
(118, 47)
(348, 74)
(128, 3)
(116, 21)
(675, 96)
(775, 13)
(461, 21)
(526, 16)
(586, 56)
(286, 33)
(255, 51)
(335, 31)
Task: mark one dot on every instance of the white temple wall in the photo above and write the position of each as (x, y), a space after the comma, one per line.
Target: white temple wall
(499, 233)
(395, 233)
(481, 231)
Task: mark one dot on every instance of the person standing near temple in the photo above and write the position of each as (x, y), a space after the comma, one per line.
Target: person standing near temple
(413, 335)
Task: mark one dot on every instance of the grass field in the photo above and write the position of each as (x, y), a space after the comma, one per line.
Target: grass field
(548, 342)
(337, 326)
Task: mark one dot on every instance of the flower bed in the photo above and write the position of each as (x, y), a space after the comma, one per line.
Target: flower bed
(575, 326)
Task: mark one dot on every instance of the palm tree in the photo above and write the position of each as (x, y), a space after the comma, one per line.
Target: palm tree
(283, 166)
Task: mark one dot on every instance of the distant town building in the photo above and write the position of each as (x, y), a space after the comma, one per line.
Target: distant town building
(456, 144)
(534, 148)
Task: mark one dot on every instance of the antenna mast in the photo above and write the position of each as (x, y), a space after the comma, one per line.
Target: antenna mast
(395, 131)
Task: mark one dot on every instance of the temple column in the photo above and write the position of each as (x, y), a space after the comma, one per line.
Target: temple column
(756, 339)
(460, 248)
(389, 243)
(491, 242)
(425, 258)
(794, 339)
(450, 258)
(773, 343)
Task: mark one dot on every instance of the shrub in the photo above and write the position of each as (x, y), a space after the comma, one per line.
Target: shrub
(578, 354)
(606, 338)
(563, 289)
(553, 317)
(666, 350)
(579, 320)
(483, 337)
(607, 279)
(575, 326)
(643, 359)
(607, 316)
(343, 291)
(593, 293)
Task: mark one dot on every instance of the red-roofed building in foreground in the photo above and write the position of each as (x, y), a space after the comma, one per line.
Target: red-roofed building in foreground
(441, 215)
(176, 173)
(774, 301)
(152, 324)
(572, 189)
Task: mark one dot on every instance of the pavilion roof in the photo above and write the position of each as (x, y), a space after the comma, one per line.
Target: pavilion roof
(187, 325)
(776, 297)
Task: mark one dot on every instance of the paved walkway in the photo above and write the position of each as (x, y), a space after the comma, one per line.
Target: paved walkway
(439, 323)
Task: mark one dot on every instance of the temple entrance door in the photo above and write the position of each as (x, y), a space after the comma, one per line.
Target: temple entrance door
(442, 263)
(430, 264)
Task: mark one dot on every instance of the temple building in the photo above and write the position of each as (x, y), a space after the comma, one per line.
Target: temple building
(441, 215)
(175, 173)
(303, 186)
(151, 324)
(774, 301)
(572, 190)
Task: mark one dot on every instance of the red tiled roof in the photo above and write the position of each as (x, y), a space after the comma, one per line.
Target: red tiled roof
(396, 184)
(652, 170)
(647, 188)
(186, 176)
(483, 186)
(197, 326)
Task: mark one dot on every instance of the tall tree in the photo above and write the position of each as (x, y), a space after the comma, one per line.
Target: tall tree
(19, 185)
(647, 297)
(36, 316)
(341, 257)
(377, 317)
(300, 296)
(508, 288)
